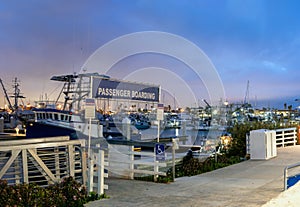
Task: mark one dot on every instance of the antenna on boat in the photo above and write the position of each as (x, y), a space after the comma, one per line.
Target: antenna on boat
(16, 95)
(68, 79)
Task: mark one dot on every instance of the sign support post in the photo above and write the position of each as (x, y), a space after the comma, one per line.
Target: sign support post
(90, 108)
(158, 130)
(175, 146)
(159, 117)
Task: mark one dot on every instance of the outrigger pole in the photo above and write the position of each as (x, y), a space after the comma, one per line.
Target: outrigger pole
(6, 96)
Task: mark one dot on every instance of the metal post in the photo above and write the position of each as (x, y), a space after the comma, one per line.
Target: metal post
(285, 178)
(155, 167)
(90, 161)
(286, 173)
(89, 144)
(131, 165)
(158, 130)
(91, 175)
(173, 159)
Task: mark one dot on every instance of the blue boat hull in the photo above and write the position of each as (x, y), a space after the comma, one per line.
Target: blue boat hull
(37, 130)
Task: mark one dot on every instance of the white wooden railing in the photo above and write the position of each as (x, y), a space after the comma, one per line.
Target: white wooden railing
(286, 137)
(125, 162)
(43, 161)
(145, 165)
(97, 171)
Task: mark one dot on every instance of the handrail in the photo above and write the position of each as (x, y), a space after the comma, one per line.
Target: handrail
(286, 173)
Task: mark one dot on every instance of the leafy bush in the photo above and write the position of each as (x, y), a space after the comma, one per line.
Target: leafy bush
(67, 193)
(190, 166)
(238, 132)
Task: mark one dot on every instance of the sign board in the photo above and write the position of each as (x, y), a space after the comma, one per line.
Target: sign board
(175, 143)
(160, 112)
(160, 153)
(116, 89)
(90, 108)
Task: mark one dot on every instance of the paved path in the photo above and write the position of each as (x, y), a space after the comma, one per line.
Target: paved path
(250, 183)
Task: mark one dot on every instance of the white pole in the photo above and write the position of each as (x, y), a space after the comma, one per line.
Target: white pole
(173, 159)
(91, 175)
(90, 161)
(155, 167)
(89, 146)
(158, 130)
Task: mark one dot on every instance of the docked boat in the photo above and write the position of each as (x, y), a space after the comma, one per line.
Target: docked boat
(140, 121)
(172, 121)
(53, 122)
(69, 118)
(140, 124)
(50, 122)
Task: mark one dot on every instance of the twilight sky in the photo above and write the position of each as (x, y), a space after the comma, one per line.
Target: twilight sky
(255, 40)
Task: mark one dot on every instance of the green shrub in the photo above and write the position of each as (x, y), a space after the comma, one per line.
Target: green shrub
(190, 166)
(67, 193)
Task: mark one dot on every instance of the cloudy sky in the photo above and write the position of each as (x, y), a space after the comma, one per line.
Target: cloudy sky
(255, 40)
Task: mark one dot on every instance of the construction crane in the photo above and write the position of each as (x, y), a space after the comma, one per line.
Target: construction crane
(6, 96)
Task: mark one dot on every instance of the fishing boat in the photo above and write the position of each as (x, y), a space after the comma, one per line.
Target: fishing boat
(67, 121)
(53, 122)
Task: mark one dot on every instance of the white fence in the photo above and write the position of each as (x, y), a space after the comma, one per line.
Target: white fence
(97, 171)
(43, 161)
(126, 162)
(286, 137)
(145, 164)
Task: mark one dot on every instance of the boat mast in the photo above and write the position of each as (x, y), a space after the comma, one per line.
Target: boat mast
(6, 96)
(16, 95)
(246, 99)
(68, 80)
(67, 98)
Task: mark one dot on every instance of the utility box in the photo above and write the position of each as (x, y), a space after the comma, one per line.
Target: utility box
(262, 144)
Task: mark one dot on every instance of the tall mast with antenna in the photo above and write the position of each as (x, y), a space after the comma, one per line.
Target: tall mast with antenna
(16, 95)
(246, 99)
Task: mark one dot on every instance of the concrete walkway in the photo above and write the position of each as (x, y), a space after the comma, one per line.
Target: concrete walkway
(250, 183)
